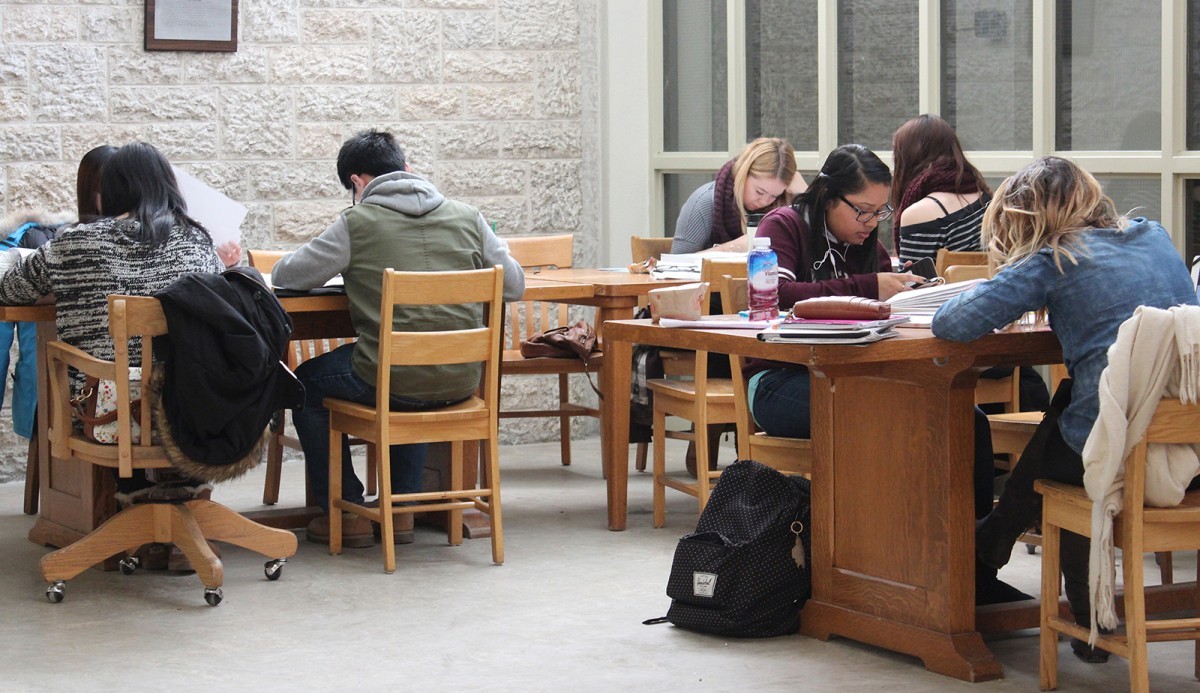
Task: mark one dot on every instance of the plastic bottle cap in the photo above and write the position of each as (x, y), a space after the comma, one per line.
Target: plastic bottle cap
(761, 242)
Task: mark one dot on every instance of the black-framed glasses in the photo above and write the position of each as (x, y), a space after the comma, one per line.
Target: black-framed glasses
(862, 217)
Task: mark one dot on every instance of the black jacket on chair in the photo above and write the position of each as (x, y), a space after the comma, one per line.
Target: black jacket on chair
(223, 375)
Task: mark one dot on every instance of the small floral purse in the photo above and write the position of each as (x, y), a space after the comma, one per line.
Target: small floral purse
(96, 407)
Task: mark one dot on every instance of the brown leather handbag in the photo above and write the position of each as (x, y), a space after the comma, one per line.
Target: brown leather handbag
(567, 342)
(841, 308)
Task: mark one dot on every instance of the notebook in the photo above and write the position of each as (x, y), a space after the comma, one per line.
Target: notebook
(926, 301)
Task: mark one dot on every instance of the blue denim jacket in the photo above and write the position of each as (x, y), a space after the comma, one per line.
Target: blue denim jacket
(1117, 272)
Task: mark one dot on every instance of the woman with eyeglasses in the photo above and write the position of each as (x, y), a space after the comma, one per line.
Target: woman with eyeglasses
(827, 242)
(761, 178)
(938, 195)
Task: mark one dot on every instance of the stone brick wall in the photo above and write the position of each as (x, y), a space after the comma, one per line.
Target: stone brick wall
(497, 101)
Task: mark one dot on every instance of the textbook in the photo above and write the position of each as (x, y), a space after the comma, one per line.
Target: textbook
(800, 324)
(926, 301)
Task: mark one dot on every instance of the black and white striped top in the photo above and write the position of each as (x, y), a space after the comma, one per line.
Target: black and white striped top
(86, 263)
(958, 231)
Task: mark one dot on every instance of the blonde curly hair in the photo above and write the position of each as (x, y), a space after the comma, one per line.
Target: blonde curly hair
(1045, 205)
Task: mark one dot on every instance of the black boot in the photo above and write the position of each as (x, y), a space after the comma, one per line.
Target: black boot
(1074, 550)
(991, 590)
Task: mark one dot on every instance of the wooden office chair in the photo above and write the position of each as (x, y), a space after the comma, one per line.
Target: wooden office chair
(299, 351)
(527, 318)
(188, 524)
(701, 400)
(788, 455)
(1137, 530)
(946, 258)
(472, 420)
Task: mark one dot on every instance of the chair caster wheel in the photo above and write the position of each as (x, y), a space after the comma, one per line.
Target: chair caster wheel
(57, 592)
(129, 565)
(274, 569)
(1031, 549)
(213, 595)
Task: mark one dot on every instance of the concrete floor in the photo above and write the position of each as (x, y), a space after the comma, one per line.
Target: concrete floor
(563, 612)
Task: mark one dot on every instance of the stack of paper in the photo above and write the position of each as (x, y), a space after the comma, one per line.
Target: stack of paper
(720, 322)
(926, 301)
(799, 331)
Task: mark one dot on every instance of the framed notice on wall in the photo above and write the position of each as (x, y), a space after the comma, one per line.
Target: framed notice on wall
(191, 25)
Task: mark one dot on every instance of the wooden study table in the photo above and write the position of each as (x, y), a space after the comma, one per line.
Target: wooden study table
(75, 499)
(893, 436)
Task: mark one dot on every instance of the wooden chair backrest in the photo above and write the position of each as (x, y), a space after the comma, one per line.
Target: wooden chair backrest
(1172, 423)
(264, 260)
(129, 318)
(444, 347)
(962, 273)
(946, 258)
(642, 248)
(713, 270)
(542, 251)
(527, 318)
(299, 350)
(734, 298)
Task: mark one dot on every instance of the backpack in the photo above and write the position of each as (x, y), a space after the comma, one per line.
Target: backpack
(747, 569)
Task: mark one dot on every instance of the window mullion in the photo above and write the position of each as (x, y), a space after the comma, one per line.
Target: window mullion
(735, 60)
(929, 61)
(1043, 77)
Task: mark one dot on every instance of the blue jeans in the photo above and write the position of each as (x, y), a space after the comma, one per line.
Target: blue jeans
(24, 399)
(331, 375)
(781, 408)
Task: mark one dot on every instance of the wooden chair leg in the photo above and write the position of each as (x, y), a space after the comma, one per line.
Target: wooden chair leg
(1051, 585)
(274, 467)
(1196, 610)
(372, 460)
(124, 531)
(660, 468)
(702, 463)
(1135, 619)
(640, 463)
(454, 533)
(564, 421)
(1166, 566)
(187, 535)
(220, 523)
(492, 455)
(387, 520)
(32, 476)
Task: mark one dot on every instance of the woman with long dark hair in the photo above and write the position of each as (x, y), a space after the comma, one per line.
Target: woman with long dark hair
(142, 243)
(938, 195)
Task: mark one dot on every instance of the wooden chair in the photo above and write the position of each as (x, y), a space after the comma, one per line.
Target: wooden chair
(474, 419)
(946, 258)
(676, 363)
(788, 455)
(527, 318)
(1137, 530)
(701, 400)
(186, 524)
(962, 273)
(299, 351)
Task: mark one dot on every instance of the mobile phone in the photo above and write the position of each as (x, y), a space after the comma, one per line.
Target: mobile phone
(923, 268)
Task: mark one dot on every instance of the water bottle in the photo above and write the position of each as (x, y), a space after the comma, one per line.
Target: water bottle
(762, 285)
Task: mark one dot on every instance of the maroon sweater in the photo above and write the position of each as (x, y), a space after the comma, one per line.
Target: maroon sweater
(789, 234)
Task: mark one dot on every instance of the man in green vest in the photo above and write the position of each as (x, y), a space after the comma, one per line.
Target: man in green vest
(396, 220)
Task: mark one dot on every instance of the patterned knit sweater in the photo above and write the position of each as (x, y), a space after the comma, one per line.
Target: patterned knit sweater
(88, 262)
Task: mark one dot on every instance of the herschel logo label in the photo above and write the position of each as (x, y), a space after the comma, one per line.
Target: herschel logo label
(704, 584)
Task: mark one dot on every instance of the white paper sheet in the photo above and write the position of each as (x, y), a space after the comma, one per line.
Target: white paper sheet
(219, 214)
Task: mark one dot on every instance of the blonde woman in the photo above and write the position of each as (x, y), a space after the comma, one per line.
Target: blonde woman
(1060, 248)
(760, 179)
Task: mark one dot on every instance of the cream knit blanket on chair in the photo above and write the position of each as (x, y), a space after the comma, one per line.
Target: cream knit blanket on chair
(1156, 355)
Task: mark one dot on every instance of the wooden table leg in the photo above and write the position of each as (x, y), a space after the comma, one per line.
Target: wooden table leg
(895, 500)
(614, 421)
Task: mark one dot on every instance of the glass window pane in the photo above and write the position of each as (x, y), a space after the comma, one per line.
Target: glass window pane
(781, 71)
(1191, 220)
(678, 187)
(1108, 75)
(695, 77)
(877, 69)
(1193, 76)
(987, 73)
(1134, 196)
